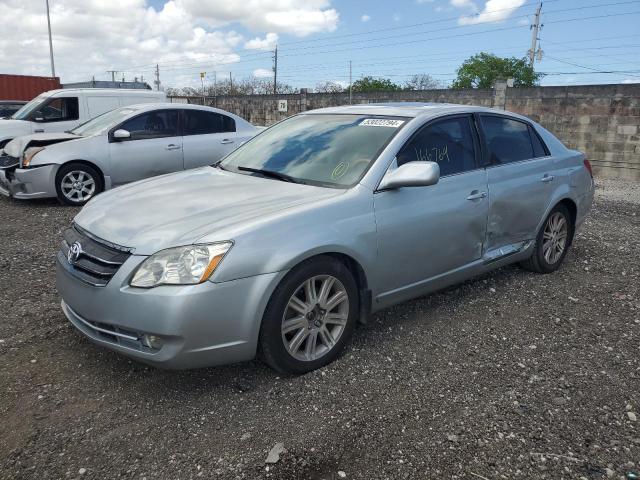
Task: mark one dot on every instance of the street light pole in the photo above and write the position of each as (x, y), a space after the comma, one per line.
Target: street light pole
(53, 68)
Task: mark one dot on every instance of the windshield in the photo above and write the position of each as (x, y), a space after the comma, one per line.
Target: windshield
(319, 149)
(32, 106)
(102, 123)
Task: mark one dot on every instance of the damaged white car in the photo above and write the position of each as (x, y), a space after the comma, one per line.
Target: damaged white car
(121, 146)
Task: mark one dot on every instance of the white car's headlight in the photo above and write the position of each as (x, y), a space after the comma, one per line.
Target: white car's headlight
(28, 155)
(186, 265)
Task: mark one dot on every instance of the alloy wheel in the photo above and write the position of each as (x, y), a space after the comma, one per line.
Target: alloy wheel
(315, 317)
(78, 186)
(554, 238)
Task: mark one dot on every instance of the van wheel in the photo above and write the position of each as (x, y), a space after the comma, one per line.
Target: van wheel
(310, 317)
(552, 242)
(77, 183)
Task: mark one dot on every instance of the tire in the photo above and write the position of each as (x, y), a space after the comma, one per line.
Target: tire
(541, 260)
(90, 184)
(324, 323)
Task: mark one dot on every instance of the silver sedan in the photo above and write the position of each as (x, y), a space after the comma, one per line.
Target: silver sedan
(121, 146)
(291, 240)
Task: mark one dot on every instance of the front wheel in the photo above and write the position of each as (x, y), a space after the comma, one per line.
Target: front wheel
(552, 242)
(310, 317)
(77, 183)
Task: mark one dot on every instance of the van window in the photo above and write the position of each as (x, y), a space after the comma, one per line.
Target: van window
(99, 105)
(508, 140)
(57, 109)
(448, 142)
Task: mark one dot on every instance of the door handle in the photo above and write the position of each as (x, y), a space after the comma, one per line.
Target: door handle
(476, 195)
(172, 146)
(225, 141)
(39, 130)
(547, 178)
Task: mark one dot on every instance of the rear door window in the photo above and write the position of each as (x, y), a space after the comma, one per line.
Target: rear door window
(156, 124)
(449, 142)
(198, 122)
(508, 140)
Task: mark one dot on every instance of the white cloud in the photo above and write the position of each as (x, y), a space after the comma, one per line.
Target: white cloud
(267, 43)
(299, 17)
(92, 36)
(365, 18)
(631, 80)
(263, 73)
(463, 4)
(493, 11)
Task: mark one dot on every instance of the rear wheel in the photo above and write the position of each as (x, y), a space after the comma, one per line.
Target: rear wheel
(310, 317)
(552, 242)
(77, 183)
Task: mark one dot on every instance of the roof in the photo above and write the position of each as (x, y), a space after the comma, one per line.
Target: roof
(168, 105)
(137, 91)
(405, 109)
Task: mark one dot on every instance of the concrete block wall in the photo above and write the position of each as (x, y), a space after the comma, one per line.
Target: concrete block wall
(601, 120)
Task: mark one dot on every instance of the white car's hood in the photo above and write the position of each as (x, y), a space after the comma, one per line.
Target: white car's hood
(13, 128)
(180, 208)
(16, 147)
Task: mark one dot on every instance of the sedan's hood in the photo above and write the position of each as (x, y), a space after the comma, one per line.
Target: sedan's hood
(180, 208)
(16, 147)
(11, 128)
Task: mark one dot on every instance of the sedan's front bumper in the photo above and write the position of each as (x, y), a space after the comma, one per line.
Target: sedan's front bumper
(26, 183)
(198, 325)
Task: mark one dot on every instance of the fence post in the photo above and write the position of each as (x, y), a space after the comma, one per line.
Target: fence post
(500, 94)
(303, 100)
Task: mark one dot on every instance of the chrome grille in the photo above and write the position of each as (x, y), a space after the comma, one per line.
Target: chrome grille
(93, 262)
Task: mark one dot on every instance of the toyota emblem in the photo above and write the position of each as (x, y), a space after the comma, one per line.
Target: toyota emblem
(74, 253)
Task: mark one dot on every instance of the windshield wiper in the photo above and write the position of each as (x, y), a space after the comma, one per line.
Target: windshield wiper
(270, 173)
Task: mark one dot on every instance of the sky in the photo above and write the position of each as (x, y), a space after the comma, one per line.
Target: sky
(317, 39)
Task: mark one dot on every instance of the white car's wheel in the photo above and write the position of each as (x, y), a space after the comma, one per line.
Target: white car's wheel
(77, 183)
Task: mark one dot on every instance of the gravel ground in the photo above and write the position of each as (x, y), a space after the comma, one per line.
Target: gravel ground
(511, 375)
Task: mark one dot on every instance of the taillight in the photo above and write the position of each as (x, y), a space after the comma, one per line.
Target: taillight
(587, 165)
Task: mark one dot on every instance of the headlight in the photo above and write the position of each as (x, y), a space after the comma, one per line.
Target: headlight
(28, 155)
(186, 265)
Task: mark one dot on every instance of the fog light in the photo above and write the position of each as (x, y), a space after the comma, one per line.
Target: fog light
(152, 341)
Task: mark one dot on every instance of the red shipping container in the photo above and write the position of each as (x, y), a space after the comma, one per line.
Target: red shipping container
(25, 87)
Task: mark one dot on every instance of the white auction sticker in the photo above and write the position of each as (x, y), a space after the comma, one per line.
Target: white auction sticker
(381, 122)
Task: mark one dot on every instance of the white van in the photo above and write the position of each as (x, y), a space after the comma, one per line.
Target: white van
(65, 109)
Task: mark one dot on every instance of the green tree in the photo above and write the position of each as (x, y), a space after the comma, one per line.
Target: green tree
(483, 69)
(371, 84)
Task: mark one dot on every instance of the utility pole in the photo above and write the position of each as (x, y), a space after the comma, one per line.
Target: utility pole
(215, 84)
(275, 71)
(230, 84)
(53, 68)
(535, 29)
(113, 75)
(204, 99)
(157, 80)
(350, 83)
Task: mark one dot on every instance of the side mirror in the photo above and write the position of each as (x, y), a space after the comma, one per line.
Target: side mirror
(411, 174)
(121, 134)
